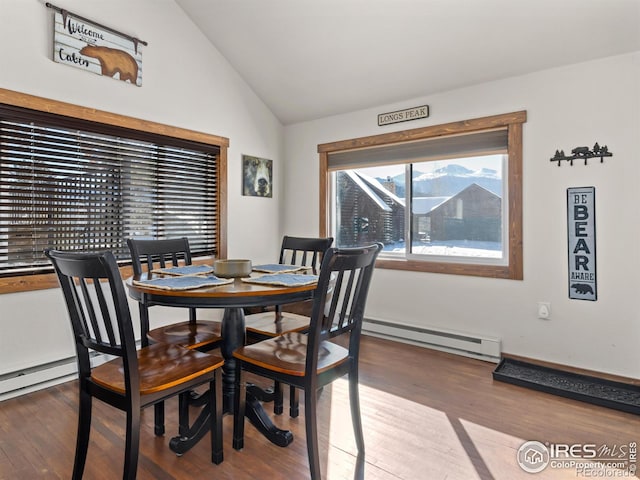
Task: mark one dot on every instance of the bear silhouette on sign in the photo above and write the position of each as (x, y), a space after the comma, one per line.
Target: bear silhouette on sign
(113, 61)
(582, 288)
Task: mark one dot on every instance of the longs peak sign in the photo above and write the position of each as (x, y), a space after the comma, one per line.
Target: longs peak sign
(403, 115)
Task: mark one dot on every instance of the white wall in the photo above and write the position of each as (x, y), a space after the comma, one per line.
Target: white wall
(567, 107)
(186, 83)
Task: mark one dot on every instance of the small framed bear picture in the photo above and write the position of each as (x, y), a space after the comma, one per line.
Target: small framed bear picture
(257, 176)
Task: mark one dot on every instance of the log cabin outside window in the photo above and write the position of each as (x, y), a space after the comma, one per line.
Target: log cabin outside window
(73, 184)
(442, 199)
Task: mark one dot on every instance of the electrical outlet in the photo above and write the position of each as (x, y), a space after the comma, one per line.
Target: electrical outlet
(544, 310)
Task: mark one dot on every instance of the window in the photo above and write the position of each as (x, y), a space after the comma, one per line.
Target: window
(74, 184)
(442, 199)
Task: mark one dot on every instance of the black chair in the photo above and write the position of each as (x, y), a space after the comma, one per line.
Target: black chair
(312, 361)
(192, 333)
(101, 321)
(303, 251)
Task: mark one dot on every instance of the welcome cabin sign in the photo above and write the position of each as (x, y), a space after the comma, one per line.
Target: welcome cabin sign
(89, 46)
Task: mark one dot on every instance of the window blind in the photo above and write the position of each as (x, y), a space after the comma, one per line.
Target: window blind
(76, 185)
(485, 142)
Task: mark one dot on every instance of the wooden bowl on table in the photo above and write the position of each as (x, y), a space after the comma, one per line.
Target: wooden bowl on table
(232, 268)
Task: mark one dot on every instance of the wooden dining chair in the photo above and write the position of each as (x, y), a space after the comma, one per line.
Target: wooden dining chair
(303, 251)
(147, 255)
(312, 361)
(134, 379)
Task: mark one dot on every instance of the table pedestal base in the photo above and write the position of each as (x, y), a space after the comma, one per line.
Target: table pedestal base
(259, 419)
(233, 330)
(254, 412)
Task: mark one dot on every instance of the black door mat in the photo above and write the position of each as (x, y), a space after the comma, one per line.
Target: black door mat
(606, 393)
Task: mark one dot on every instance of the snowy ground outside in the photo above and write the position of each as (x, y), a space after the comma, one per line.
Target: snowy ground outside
(450, 248)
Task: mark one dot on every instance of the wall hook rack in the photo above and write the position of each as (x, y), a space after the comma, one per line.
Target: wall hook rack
(580, 153)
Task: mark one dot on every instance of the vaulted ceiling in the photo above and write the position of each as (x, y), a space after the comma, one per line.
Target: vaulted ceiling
(311, 59)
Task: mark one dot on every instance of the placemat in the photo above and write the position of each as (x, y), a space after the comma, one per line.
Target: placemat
(185, 270)
(283, 279)
(278, 268)
(186, 282)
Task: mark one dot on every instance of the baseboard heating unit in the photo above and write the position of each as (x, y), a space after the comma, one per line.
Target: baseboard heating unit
(27, 380)
(469, 345)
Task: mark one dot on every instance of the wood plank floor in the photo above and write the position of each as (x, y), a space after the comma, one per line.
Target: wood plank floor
(426, 415)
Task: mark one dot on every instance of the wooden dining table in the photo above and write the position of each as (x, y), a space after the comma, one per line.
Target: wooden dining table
(233, 298)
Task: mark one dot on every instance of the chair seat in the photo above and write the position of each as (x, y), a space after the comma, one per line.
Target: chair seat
(287, 354)
(161, 367)
(265, 324)
(187, 334)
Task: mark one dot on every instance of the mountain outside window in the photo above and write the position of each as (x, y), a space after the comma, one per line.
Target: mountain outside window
(450, 210)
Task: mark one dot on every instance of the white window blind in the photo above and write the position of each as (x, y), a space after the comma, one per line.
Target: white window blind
(486, 142)
(76, 185)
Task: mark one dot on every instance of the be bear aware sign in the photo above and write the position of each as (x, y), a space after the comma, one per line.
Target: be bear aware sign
(84, 45)
(581, 220)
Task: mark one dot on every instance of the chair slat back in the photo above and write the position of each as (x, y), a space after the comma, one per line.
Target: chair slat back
(158, 253)
(304, 251)
(97, 306)
(340, 297)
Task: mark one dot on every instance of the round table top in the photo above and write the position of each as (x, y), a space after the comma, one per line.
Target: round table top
(236, 294)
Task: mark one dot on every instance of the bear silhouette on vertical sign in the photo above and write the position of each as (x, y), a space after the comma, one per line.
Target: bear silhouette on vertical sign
(582, 288)
(113, 61)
